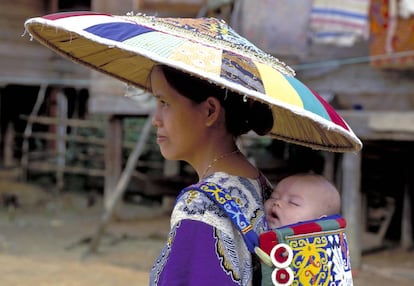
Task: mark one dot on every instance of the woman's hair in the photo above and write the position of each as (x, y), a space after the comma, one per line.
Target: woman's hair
(242, 114)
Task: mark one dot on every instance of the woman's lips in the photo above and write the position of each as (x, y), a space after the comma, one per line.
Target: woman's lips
(161, 139)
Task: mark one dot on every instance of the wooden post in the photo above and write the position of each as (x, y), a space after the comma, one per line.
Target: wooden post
(406, 226)
(24, 161)
(61, 132)
(329, 166)
(351, 204)
(120, 186)
(113, 158)
(8, 145)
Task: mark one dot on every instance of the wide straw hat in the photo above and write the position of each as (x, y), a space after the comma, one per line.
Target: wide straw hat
(128, 47)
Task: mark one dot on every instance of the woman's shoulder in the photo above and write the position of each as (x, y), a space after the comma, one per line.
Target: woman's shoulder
(225, 179)
(195, 203)
(245, 190)
(259, 187)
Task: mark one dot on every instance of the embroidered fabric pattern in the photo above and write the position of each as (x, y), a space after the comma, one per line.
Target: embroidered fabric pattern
(227, 251)
(319, 253)
(313, 253)
(163, 256)
(230, 245)
(201, 208)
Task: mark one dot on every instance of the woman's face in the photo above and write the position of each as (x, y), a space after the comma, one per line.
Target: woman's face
(179, 121)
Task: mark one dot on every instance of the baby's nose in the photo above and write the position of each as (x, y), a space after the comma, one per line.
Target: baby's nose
(276, 203)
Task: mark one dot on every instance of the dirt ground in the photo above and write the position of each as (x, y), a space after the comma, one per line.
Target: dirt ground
(44, 242)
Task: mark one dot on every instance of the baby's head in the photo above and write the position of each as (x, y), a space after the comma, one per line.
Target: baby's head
(301, 197)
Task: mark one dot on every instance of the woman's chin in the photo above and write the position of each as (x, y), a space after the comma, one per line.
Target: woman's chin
(168, 155)
(165, 153)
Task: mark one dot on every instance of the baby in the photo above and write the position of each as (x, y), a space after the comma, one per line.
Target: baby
(299, 198)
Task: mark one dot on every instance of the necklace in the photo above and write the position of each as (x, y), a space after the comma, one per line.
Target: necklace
(215, 160)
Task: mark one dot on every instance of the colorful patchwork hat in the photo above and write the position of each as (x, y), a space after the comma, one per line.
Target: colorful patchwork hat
(128, 47)
(307, 253)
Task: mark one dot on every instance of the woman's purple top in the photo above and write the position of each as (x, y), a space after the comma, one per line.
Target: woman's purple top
(203, 246)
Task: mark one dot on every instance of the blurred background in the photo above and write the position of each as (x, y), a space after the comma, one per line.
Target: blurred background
(69, 130)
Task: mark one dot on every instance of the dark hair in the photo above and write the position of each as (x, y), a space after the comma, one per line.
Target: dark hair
(242, 114)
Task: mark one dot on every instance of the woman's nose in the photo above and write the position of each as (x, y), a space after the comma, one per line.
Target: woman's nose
(155, 119)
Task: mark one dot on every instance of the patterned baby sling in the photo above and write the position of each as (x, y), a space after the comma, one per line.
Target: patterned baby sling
(307, 253)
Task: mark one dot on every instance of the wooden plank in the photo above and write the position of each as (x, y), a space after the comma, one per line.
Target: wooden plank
(392, 122)
(21, 5)
(373, 125)
(190, 8)
(70, 138)
(51, 167)
(118, 105)
(17, 52)
(69, 122)
(31, 74)
(25, 58)
(26, 48)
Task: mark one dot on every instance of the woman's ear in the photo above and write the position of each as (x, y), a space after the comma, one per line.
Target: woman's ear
(213, 110)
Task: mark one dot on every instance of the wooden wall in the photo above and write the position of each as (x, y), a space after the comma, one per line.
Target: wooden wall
(23, 60)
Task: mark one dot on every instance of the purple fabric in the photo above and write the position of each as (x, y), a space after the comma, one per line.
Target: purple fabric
(193, 259)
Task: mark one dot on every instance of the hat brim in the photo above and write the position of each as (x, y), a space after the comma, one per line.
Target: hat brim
(128, 47)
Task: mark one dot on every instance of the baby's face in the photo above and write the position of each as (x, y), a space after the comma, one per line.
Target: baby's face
(292, 201)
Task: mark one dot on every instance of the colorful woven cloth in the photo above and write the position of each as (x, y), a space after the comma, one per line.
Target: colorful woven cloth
(308, 253)
(391, 42)
(339, 22)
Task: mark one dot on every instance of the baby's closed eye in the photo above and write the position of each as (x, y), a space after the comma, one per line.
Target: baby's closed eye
(295, 203)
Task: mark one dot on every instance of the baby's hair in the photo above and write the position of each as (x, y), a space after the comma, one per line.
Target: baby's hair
(331, 198)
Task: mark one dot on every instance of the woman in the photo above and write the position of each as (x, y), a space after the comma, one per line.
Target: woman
(199, 123)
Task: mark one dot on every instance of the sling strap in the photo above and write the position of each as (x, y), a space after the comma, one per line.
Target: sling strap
(223, 199)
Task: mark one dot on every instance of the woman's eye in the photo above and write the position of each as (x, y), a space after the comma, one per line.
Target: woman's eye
(162, 103)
